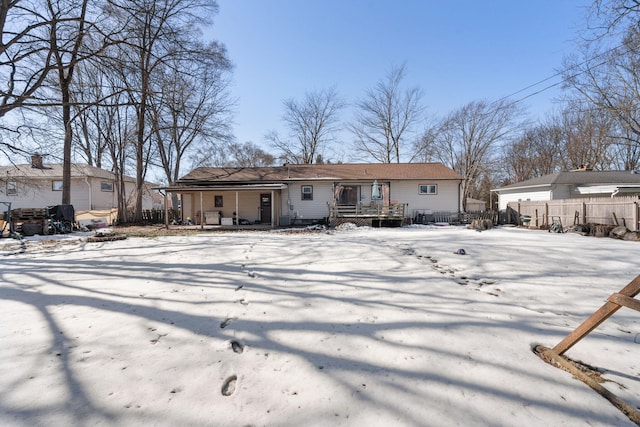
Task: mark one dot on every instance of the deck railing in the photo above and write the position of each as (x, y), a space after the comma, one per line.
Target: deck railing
(395, 211)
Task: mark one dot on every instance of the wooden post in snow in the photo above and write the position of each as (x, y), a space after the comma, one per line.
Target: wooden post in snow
(613, 304)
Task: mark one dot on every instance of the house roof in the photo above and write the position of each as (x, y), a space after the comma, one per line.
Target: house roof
(577, 178)
(330, 172)
(54, 171)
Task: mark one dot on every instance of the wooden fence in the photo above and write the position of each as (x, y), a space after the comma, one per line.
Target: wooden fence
(156, 216)
(594, 210)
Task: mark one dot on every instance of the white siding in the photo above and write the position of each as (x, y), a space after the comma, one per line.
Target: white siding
(107, 199)
(521, 196)
(86, 194)
(318, 208)
(406, 192)
(446, 199)
(39, 194)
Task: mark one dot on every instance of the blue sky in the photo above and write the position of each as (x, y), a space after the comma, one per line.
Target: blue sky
(456, 51)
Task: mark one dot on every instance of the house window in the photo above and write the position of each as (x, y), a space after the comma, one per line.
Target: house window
(106, 186)
(217, 201)
(428, 189)
(12, 188)
(307, 192)
(56, 185)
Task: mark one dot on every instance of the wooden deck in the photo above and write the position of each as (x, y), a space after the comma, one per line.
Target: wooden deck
(372, 215)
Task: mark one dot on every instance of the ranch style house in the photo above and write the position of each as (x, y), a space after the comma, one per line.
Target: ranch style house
(367, 194)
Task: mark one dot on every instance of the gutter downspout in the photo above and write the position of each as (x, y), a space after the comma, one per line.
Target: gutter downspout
(86, 180)
(459, 197)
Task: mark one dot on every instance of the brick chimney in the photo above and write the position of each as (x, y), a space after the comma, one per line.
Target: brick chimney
(36, 161)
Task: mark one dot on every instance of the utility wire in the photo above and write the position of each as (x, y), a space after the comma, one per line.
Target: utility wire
(559, 74)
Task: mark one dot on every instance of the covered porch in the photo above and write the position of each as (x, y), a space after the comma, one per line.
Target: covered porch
(228, 205)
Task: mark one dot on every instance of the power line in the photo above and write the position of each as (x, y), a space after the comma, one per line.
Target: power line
(559, 74)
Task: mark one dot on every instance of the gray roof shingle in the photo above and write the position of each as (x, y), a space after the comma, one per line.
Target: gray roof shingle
(578, 178)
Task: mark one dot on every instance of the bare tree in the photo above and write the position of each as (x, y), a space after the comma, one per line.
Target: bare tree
(535, 153)
(586, 138)
(26, 54)
(385, 118)
(90, 92)
(190, 108)
(608, 79)
(156, 32)
(66, 44)
(249, 155)
(312, 123)
(39, 37)
(607, 16)
(466, 140)
(625, 149)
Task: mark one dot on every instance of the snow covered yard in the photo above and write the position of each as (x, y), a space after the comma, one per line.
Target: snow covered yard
(365, 326)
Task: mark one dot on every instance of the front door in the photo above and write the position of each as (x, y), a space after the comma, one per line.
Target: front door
(265, 208)
(350, 195)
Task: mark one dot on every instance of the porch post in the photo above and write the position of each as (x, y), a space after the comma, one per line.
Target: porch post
(237, 212)
(166, 211)
(273, 208)
(201, 213)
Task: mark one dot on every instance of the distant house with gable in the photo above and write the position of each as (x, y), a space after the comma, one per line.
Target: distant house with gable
(38, 185)
(568, 185)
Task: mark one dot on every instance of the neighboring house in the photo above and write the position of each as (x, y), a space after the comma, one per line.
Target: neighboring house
(569, 185)
(314, 193)
(475, 205)
(37, 185)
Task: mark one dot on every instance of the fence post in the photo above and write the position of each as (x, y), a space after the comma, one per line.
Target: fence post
(546, 212)
(584, 212)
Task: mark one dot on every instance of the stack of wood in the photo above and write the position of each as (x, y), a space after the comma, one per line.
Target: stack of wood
(622, 232)
(606, 230)
(481, 224)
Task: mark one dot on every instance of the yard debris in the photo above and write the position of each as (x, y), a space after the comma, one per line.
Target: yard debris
(481, 224)
(106, 235)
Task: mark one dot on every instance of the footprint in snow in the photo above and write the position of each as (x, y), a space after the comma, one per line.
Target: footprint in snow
(237, 347)
(226, 322)
(229, 385)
